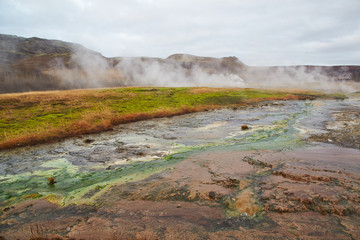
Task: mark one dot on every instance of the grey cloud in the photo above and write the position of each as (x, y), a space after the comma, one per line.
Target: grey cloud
(256, 31)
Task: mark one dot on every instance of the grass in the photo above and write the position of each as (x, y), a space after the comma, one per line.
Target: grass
(41, 117)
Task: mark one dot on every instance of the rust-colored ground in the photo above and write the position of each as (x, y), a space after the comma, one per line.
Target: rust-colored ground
(311, 193)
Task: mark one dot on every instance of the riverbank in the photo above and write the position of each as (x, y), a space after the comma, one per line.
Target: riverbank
(28, 119)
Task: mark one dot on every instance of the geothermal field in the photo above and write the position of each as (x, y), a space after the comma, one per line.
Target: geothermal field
(179, 148)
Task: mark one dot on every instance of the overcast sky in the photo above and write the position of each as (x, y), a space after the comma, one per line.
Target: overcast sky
(258, 32)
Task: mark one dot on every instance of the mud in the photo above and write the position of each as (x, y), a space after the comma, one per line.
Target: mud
(199, 176)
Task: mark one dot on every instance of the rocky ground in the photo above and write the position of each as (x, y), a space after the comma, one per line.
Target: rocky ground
(306, 194)
(344, 130)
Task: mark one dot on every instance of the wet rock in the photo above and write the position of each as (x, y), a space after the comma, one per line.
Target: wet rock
(212, 195)
(140, 153)
(51, 181)
(169, 137)
(88, 141)
(244, 127)
(6, 209)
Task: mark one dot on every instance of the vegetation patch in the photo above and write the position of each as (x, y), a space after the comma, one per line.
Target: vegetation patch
(41, 117)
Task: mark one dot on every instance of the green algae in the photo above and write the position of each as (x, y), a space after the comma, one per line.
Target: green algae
(73, 185)
(282, 135)
(276, 137)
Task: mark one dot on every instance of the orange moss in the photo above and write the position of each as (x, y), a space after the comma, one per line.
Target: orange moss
(209, 90)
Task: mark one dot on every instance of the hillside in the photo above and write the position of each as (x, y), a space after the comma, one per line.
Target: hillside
(35, 64)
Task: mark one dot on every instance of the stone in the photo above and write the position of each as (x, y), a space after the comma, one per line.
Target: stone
(212, 195)
(244, 127)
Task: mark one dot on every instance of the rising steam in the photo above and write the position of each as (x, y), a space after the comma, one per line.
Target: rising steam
(299, 77)
(171, 73)
(89, 69)
(30, 64)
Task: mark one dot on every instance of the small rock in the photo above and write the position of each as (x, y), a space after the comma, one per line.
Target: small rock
(6, 209)
(169, 137)
(178, 206)
(140, 153)
(51, 181)
(212, 195)
(244, 127)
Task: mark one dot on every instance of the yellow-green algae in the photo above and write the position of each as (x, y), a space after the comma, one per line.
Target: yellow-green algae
(71, 183)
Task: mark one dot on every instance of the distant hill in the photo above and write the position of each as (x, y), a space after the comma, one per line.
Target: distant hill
(29, 64)
(35, 64)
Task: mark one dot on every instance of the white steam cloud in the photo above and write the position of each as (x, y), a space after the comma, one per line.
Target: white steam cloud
(85, 68)
(89, 69)
(299, 77)
(39, 64)
(171, 73)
